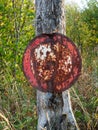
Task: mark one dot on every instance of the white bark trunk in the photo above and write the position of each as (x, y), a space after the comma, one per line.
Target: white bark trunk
(54, 110)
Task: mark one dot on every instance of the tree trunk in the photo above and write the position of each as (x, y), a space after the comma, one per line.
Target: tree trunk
(54, 110)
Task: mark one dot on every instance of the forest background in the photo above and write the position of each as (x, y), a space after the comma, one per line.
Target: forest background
(17, 98)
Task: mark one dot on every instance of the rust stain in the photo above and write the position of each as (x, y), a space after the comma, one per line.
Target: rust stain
(53, 64)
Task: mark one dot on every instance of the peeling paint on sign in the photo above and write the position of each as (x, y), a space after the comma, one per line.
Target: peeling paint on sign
(51, 62)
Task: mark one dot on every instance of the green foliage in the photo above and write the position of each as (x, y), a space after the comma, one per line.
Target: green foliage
(17, 104)
(82, 28)
(17, 98)
(90, 18)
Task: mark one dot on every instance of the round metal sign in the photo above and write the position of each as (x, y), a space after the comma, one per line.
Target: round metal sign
(51, 62)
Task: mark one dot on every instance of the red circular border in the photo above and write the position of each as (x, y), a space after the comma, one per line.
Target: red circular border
(76, 62)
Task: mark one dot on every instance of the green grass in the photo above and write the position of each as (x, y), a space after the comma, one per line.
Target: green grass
(18, 99)
(17, 102)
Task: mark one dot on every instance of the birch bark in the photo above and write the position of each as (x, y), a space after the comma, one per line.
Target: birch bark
(54, 110)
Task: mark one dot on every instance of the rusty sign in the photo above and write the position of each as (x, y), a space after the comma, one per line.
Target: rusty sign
(51, 62)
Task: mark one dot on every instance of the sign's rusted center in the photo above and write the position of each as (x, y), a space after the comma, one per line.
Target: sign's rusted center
(51, 62)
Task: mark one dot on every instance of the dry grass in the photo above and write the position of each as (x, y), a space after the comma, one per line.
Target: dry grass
(85, 97)
(18, 101)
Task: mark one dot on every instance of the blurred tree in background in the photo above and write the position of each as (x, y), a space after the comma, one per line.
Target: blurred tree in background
(17, 98)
